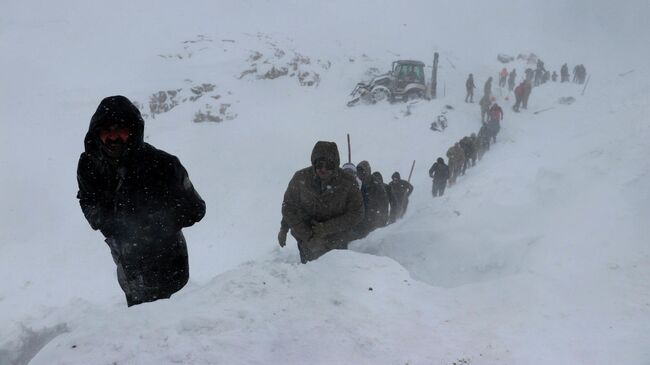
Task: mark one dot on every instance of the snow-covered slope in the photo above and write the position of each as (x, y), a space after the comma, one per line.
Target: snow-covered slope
(538, 255)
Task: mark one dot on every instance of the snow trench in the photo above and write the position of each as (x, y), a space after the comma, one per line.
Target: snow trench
(29, 343)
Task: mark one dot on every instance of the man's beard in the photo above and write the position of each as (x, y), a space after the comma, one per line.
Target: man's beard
(114, 149)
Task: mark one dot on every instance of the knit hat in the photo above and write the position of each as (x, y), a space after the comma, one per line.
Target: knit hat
(349, 166)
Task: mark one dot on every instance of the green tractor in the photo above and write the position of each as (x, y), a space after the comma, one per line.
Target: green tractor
(405, 82)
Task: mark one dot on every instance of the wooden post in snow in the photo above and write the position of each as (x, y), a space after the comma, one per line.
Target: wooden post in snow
(586, 83)
(349, 150)
(434, 76)
(411, 173)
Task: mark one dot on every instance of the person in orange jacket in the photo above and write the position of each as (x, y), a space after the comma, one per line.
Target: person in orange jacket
(503, 76)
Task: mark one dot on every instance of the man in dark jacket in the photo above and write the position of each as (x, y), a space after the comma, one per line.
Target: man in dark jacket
(469, 86)
(494, 121)
(350, 169)
(322, 204)
(582, 74)
(440, 174)
(530, 74)
(475, 147)
(484, 103)
(564, 73)
(487, 88)
(384, 209)
(483, 140)
(374, 200)
(539, 73)
(456, 160)
(467, 145)
(140, 198)
(400, 192)
(511, 79)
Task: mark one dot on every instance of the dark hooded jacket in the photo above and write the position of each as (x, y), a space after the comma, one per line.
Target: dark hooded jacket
(467, 145)
(140, 202)
(400, 192)
(469, 84)
(384, 209)
(375, 201)
(487, 88)
(484, 137)
(319, 213)
(439, 172)
(512, 78)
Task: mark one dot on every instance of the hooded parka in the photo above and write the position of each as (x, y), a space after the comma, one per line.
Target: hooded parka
(400, 192)
(375, 201)
(320, 213)
(140, 201)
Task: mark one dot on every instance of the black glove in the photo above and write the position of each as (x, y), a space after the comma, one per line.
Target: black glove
(282, 238)
(319, 230)
(302, 232)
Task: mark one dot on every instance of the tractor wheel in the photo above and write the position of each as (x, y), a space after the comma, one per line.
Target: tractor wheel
(413, 95)
(380, 93)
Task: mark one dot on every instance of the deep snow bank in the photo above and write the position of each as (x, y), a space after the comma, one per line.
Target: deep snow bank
(345, 308)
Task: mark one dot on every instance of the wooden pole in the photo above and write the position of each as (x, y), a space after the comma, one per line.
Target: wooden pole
(411, 173)
(586, 83)
(434, 76)
(543, 110)
(452, 65)
(624, 73)
(349, 150)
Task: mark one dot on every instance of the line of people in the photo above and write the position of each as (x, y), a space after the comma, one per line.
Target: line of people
(522, 92)
(325, 206)
(536, 77)
(579, 74)
(464, 153)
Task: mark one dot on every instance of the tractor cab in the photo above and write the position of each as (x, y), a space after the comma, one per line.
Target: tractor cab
(408, 72)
